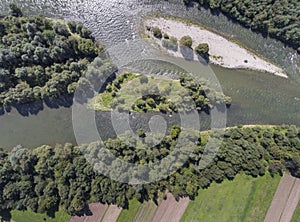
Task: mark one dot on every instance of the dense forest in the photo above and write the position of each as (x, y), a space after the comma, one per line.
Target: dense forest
(276, 18)
(42, 58)
(47, 177)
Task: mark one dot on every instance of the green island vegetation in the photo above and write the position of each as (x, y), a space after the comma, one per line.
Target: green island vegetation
(42, 58)
(222, 202)
(142, 93)
(278, 18)
(48, 179)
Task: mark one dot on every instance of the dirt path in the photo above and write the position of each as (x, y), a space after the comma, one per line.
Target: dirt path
(98, 210)
(170, 210)
(112, 214)
(292, 203)
(285, 200)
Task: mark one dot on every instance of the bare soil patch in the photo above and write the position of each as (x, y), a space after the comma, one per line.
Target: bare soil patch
(112, 214)
(280, 199)
(170, 210)
(97, 209)
(292, 203)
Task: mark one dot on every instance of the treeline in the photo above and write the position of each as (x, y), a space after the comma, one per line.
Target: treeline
(46, 178)
(276, 18)
(42, 58)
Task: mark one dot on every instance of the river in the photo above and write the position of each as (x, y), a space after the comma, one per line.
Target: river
(257, 97)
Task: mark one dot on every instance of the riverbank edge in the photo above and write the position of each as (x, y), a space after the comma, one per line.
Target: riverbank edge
(152, 16)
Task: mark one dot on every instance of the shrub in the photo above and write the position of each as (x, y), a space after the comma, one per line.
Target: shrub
(170, 44)
(72, 26)
(14, 10)
(61, 29)
(186, 41)
(166, 36)
(157, 32)
(202, 50)
(144, 79)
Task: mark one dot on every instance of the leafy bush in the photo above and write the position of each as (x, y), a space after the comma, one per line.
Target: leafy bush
(202, 50)
(171, 44)
(14, 10)
(186, 41)
(157, 32)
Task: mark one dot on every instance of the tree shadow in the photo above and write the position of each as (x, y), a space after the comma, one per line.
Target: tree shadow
(5, 215)
(204, 60)
(30, 108)
(187, 53)
(85, 212)
(63, 101)
(33, 108)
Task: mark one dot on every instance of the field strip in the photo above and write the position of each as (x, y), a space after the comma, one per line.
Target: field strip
(97, 209)
(280, 198)
(292, 203)
(146, 212)
(170, 210)
(112, 214)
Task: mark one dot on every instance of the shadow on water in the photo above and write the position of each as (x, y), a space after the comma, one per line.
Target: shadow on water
(33, 108)
(203, 60)
(187, 53)
(136, 121)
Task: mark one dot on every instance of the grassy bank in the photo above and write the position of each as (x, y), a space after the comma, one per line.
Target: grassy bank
(243, 199)
(129, 214)
(29, 216)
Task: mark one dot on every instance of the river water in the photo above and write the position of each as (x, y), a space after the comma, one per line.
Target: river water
(257, 97)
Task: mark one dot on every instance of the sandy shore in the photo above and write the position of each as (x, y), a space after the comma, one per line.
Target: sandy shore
(222, 51)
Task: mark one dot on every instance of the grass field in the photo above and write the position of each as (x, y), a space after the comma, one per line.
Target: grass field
(296, 216)
(29, 216)
(243, 199)
(146, 212)
(129, 214)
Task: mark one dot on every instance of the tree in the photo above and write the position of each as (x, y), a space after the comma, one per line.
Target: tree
(61, 29)
(40, 60)
(144, 79)
(14, 10)
(157, 32)
(186, 41)
(202, 50)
